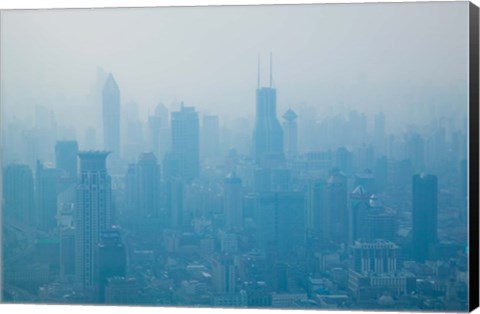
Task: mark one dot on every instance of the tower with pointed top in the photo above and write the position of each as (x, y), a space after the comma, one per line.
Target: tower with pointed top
(111, 117)
(268, 133)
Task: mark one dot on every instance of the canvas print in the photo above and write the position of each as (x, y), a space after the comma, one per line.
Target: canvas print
(278, 156)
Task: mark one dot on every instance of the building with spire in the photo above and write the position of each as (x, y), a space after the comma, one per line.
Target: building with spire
(268, 133)
(111, 117)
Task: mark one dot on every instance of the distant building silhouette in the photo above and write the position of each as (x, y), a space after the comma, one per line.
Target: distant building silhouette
(424, 215)
(112, 260)
(233, 196)
(147, 186)
(111, 117)
(185, 143)
(159, 138)
(46, 179)
(267, 133)
(93, 216)
(66, 158)
(290, 133)
(18, 193)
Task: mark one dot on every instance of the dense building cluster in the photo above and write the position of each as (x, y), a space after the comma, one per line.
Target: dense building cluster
(185, 210)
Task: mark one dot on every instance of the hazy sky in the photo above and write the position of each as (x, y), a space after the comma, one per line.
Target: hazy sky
(367, 56)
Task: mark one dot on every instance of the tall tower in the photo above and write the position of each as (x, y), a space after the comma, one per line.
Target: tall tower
(93, 215)
(66, 158)
(268, 133)
(46, 196)
(233, 201)
(148, 186)
(185, 143)
(290, 132)
(18, 196)
(111, 116)
(424, 215)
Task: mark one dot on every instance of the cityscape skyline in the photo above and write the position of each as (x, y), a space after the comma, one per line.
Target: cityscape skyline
(286, 208)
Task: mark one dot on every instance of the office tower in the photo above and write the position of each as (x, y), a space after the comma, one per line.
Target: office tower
(147, 187)
(111, 117)
(233, 196)
(336, 200)
(279, 221)
(424, 215)
(359, 199)
(67, 253)
(175, 195)
(66, 158)
(18, 195)
(132, 132)
(366, 179)
(112, 260)
(267, 133)
(93, 215)
(210, 144)
(185, 143)
(371, 220)
(290, 133)
(344, 160)
(46, 179)
(357, 127)
(159, 137)
(223, 274)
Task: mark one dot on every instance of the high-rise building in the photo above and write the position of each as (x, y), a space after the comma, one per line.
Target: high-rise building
(159, 138)
(336, 199)
(93, 215)
(147, 186)
(424, 215)
(18, 195)
(112, 260)
(223, 274)
(66, 158)
(185, 143)
(111, 117)
(233, 197)
(210, 139)
(267, 133)
(46, 196)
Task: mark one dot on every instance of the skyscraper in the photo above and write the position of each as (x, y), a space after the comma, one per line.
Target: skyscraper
(424, 215)
(185, 143)
(46, 196)
(268, 133)
(148, 186)
(233, 201)
(18, 193)
(93, 215)
(111, 116)
(290, 132)
(66, 158)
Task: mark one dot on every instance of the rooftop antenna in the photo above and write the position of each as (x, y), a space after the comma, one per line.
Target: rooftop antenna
(271, 76)
(258, 73)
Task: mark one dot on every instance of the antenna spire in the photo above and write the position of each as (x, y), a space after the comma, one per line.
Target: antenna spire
(258, 73)
(271, 76)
